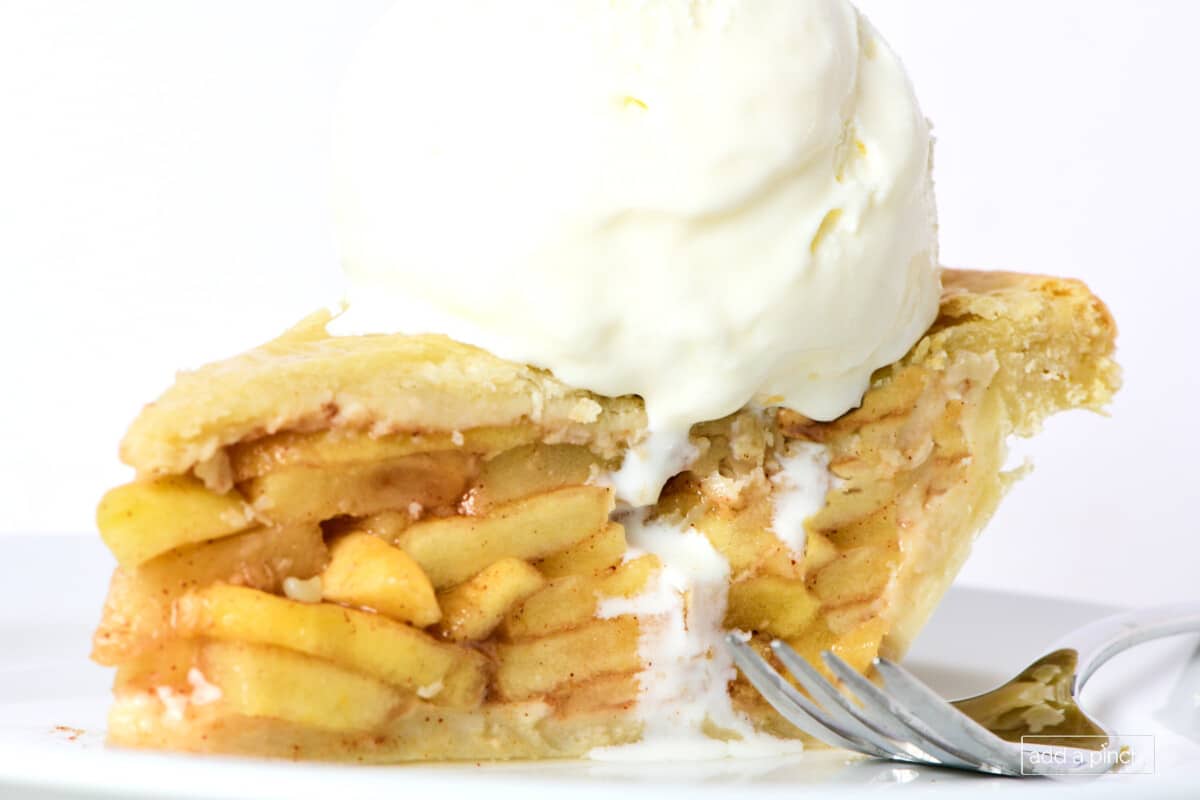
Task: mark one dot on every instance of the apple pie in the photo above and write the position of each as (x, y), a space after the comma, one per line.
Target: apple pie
(390, 548)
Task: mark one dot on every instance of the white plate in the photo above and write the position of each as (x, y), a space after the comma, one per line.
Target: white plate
(53, 700)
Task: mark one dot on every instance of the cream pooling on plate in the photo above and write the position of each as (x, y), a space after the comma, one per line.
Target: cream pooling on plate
(701, 202)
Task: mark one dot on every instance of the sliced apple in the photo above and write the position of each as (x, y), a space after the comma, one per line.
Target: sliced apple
(473, 609)
(530, 470)
(452, 549)
(367, 572)
(139, 607)
(339, 447)
(782, 607)
(594, 554)
(537, 666)
(372, 644)
(260, 681)
(312, 494)
(143, 519)
(572, 601)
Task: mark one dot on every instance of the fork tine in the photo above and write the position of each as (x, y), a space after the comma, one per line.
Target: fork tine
(784, 698)
(883, 710)
(839, 707)
(931, 708)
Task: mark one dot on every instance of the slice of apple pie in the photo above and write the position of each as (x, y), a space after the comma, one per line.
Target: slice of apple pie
(387, 548)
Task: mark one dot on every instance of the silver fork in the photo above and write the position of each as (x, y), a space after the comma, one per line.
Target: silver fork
(907, 721)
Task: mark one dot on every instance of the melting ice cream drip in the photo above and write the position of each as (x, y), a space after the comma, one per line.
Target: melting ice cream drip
(684, 694)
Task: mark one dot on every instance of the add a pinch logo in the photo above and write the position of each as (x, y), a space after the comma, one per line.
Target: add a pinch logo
(1095, 754)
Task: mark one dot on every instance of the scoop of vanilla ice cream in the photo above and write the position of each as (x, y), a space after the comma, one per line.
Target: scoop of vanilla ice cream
(701, 202)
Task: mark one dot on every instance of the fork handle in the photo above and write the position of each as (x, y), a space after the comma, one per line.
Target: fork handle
(1099, 641)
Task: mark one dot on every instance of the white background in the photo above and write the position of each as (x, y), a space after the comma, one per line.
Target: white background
(163, 202)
